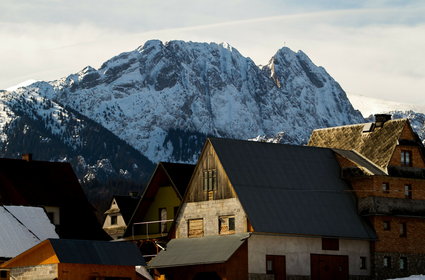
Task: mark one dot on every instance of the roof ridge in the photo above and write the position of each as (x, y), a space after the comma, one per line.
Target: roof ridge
(357, 124)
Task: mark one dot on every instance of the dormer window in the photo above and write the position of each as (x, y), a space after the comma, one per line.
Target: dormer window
(406, 158)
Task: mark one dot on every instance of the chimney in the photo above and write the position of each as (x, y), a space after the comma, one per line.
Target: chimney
(27, 157)
(380, 119)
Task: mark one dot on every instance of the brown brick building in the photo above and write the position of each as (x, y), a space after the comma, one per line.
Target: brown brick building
(384, 164)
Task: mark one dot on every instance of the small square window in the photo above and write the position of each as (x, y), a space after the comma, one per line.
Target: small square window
(386, 187)
(114, 220)
(226, 224)
(403, 230)
(387, 262)
(403, 263)
(387, 225)
(363, 264)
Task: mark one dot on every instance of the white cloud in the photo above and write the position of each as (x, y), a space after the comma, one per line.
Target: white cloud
(373, 52)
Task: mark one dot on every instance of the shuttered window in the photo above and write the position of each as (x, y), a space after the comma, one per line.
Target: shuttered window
(210, 180)
(195, 228)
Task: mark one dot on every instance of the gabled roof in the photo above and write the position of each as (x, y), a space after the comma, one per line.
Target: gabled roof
(361, 162)
(176, 175)
(42, 183)
(377, 145)
(21, 228)
(289, 189)
(197, 251)
(127, 204)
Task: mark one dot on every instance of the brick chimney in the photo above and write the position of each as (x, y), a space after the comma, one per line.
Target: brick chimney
(380, 119)
(27, 157)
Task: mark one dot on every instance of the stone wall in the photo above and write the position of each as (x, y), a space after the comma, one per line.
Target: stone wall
(39, 272)
(210, 211)
(415, 265)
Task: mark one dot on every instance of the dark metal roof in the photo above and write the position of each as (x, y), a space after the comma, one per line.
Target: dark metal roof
(97, 252)
(291, 189)
(42, 183)
(195, 251)
(127, 204)
(179, 174)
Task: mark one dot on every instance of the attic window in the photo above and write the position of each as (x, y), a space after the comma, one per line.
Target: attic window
(114, 220)
(406, 158)
(210, 180)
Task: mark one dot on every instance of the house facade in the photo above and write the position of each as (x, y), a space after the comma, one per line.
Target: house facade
(267, 211)
(118, 216)
(153, 217)
(387, 175)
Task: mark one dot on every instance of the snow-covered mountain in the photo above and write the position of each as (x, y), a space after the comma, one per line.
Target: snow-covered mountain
(30, 123)
(165, 98)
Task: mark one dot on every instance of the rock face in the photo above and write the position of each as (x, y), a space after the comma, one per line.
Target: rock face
(165, 98)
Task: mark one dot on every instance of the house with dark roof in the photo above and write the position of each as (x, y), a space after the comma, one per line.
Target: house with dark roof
(384, 163)
(154, 215)
(21, 228)
(267, 211)
(54, 187)
(77, 259)
(119, 214)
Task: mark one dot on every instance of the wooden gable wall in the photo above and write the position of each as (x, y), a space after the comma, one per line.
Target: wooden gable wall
(209, 161)
(407, 135)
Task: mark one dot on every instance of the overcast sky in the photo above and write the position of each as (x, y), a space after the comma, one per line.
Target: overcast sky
(374, 48)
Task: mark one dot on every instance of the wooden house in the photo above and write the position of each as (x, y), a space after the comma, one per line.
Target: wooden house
(266, 211)
(55, 187)
(154, 215)
(384, 162)
(119, 214)
(64, 259)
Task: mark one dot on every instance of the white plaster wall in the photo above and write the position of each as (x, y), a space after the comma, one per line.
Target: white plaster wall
(297, 252)
(210, 211)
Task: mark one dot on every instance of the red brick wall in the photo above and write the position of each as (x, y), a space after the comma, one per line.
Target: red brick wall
(372, 186)
(390, 240)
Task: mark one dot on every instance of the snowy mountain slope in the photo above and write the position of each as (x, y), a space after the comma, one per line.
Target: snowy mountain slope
(32, 123)
(165, 98)
(369, 106)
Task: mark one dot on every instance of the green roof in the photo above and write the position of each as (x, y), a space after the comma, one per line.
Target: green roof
(196, 251)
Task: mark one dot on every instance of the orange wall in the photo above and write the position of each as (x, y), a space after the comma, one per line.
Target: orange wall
(40, 254)
(69, 271)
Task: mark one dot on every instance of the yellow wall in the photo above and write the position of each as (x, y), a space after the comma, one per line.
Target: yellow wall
(166, 197)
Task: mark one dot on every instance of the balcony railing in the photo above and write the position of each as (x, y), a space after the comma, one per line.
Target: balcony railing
(161, 225)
